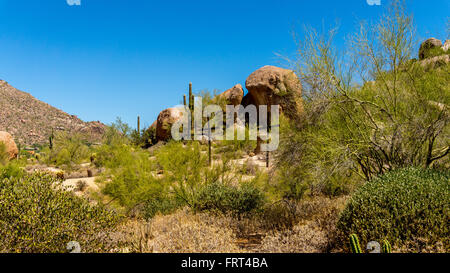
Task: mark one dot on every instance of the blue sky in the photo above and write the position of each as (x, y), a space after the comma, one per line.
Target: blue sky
(122, 58)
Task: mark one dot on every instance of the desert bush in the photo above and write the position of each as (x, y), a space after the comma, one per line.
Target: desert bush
(4, 156)
(11, 170)
(145, 139)
(130, 173)
(180, 232)
(67, 150)
(368, 110)
(224, 198)
(130, 179)
(203, 188)
(400, 206)
(433, 52)
(38, 215)
(302, 238)
(134, 180)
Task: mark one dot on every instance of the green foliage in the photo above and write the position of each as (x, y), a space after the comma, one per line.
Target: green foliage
(400, 206)
(386, 248)
(161, 205)
(224, 198)
(146, 139)
(37, 215)
(4, 156)
(184, 168)
(67, 150)
(177, 175)
(130, 172)
(50, 140)
(433, 52)
(368, 110)
(309, 161)
(11, 170)
(354, 244)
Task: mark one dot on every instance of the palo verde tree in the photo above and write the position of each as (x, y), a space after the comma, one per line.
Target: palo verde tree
(371, 107)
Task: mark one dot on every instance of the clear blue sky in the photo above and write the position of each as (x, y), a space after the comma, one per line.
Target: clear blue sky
(110, 58)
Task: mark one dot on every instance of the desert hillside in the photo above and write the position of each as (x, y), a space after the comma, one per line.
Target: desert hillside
(30, 121)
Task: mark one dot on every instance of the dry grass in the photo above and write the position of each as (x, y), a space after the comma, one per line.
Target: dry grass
(306, 227)
(303, 238)
(181, 232)
(421, 245)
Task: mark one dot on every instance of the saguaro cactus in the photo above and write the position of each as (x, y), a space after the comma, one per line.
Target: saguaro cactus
(19, 147)
(209, 144)
(386, 247)
(50, 140)
(139, 125)
(191, 99)
(184, 100)
(354, 244)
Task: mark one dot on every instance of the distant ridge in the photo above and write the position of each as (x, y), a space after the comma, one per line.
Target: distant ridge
(30, 121)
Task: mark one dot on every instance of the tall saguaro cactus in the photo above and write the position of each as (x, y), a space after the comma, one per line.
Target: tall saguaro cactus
(209, 144)
(19, 147)
(50, 140)
(139, 125)
(191, 98)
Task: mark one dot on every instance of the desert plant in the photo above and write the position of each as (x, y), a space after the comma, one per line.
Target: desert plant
(354, 244)
(386, 248)
(38, 215)
(224, 198)
(11, 170)
(50, 140)
(368, 110)
(4, 156)
(400, 206)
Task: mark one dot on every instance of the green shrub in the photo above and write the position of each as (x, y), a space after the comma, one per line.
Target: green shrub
(67, 150)
(161, 205)
(37, 215)
(185, 169)
(130, 173)
(227, 198)
(433, 52)
(12, 170)
(400, 206)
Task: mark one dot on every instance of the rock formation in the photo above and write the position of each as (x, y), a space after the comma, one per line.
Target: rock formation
(428, 45)
(234, 95)
(165, 121)
(31, 121)
(432, 54)
(272, 85)
(10, 145)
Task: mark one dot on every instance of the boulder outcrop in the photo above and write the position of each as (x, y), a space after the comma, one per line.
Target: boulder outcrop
(428, 46)
(234, 95)
(165, 121)
(272, 85)
(10, 145)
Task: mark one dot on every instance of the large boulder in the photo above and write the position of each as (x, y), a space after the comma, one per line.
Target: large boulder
(10, 145)
(427, 46)
(165, 121)
(234, 95)
(272, 85)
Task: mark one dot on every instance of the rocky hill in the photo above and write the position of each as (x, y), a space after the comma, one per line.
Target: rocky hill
(31, 121)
